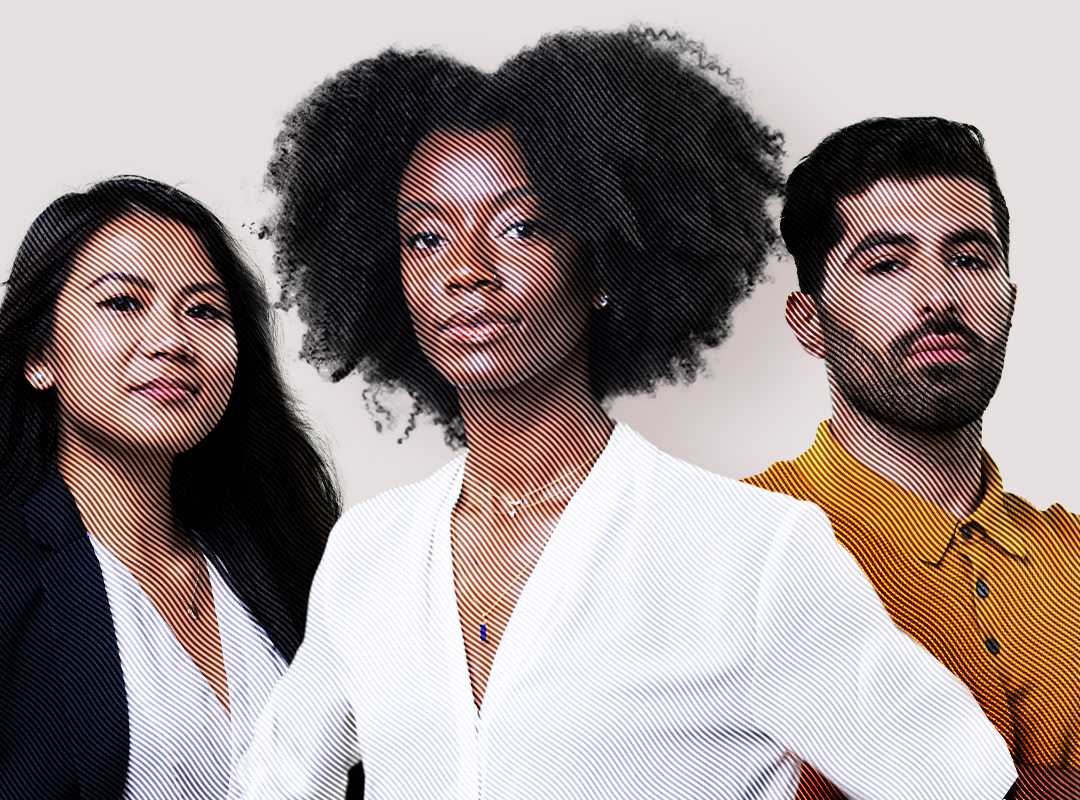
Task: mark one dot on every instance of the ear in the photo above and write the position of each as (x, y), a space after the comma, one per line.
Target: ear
(802, 317)
(38, 373)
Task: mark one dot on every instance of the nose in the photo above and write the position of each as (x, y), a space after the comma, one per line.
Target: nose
(166, 336)
(937, 288)
(473, 265)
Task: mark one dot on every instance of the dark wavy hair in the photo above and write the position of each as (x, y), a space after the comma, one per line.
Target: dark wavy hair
(256, 491)
(850, 160)
(637, 146)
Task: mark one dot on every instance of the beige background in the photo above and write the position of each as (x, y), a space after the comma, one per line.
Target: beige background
(192, 94)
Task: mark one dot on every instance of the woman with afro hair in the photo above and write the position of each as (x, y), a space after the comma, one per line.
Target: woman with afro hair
(565, 611)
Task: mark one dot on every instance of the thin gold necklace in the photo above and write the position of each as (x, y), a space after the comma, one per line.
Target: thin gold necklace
(512, 505)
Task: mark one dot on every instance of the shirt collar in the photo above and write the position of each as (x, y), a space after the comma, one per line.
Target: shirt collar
(855, 492)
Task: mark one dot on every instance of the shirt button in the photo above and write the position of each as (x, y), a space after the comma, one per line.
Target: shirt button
(981, 589)
(993, 645)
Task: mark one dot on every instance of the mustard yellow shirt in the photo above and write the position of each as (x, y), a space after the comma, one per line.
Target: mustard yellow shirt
(995, 595)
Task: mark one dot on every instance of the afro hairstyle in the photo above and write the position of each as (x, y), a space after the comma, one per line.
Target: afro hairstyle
(638, 147)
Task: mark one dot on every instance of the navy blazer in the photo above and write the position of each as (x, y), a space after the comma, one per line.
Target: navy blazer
(63, 705)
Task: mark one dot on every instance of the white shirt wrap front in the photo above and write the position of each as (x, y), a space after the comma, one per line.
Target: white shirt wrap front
(682, 636)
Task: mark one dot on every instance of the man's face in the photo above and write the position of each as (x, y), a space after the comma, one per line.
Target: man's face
(917, 303)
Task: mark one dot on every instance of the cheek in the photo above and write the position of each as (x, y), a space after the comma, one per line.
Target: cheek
(219, 356)
(90, 349)
(991, 310)
(545, 280)
(878, 314)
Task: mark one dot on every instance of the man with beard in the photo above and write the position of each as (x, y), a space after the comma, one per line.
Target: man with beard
(900, 236)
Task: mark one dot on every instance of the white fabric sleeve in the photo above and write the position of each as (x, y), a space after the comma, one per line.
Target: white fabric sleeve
(840, 686)
(305, 741)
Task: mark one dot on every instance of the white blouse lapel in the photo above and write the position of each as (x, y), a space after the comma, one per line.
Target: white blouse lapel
(564, 565)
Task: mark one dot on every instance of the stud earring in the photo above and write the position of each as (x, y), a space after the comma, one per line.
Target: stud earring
(39, 379)
(602, 300)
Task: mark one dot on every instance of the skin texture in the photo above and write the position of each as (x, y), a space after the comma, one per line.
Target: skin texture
(916, 417)
(474, 242)
(913, 321)
(479, 261)
(142, 357)
(638, 144)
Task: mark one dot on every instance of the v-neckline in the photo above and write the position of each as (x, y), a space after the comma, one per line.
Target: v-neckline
(163, 626)
(526, 605)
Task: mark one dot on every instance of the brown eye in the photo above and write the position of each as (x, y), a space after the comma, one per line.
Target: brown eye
(424, 241)
(524, 229)
(206, 311)
(122, 303)
(967, 261)
(885, 266)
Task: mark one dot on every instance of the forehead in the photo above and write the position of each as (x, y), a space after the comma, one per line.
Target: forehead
(143, 244)
(925, 208)
(464, 167)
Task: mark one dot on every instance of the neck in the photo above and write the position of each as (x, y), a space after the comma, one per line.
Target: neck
(943, 468)
(525, 437)
(123, 498)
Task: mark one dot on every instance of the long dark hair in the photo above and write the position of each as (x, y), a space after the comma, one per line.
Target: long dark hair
(256, 491)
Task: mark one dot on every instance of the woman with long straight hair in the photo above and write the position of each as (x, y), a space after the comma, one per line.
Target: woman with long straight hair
(164, 508)
(565, 611)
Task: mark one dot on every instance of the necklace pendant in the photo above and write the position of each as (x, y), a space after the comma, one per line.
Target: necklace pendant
(483, 631)
(192, 611)
(512, 507)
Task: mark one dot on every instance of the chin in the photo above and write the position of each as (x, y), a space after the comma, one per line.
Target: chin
(163, 437)
(501, 378)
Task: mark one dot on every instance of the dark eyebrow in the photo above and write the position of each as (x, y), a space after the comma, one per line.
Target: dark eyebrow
(210, 286)
(125, 277)
(517, 193)
(880, 239)
(973, 236)
(143, 283)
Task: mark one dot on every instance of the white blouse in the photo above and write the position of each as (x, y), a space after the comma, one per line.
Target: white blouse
(682, 636)
(184, 746)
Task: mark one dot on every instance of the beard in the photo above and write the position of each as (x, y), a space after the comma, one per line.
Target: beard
(927, 399)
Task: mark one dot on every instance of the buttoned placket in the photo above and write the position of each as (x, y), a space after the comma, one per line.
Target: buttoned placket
(973, 548)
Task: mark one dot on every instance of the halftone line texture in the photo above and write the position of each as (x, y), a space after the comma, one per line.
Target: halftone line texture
(682, 636)
(900, 235)
(140, 399)
(637, 149)
(991, 594)
(184, 744)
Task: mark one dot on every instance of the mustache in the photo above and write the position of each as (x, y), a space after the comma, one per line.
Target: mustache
(945, 325)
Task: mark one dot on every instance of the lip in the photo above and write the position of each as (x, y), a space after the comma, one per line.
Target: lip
(940, 349)
(167, 390)
(478, 327)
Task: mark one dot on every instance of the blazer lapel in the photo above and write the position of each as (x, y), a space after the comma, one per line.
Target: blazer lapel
(75, 607)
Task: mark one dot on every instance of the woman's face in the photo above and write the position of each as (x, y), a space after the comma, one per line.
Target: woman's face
(143, 353)
(491, 287)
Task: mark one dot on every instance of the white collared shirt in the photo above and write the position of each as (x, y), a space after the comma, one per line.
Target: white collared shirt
(183, 745)
(682, 636)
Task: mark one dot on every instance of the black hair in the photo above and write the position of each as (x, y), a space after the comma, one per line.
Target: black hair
(255, 490)
(638, 147)
(850, 160)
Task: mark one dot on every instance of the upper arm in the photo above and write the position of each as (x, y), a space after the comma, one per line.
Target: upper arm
(837, 683)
